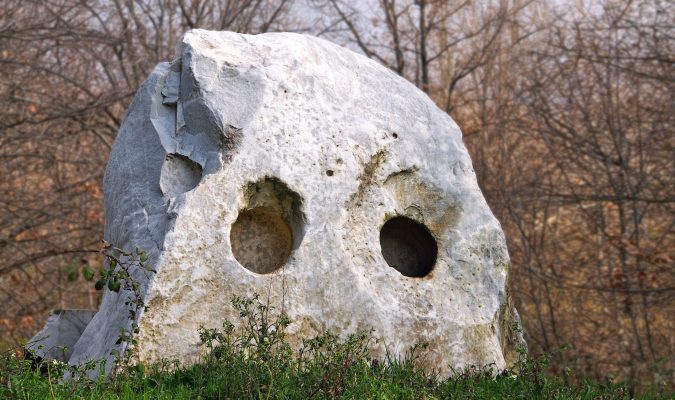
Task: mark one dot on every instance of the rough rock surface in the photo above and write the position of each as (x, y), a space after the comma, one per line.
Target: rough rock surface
(285, 165)
(61, 331)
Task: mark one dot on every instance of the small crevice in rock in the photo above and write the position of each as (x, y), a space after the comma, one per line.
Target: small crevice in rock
(179, 175)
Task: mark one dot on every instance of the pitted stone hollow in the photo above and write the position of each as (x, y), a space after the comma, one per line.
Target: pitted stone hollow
(179, 175)
(408, 247)
(261, 240)
(269, 228)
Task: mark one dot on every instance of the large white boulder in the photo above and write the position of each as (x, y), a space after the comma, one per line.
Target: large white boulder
(284, 165)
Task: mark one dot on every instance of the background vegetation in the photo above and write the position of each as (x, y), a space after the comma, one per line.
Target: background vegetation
(567, 108)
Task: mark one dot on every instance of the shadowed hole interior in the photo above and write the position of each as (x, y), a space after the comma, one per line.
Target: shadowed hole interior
(261, 240)
(269, 227)
(408, 246)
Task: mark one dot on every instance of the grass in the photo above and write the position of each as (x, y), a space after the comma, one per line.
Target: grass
(255, 362)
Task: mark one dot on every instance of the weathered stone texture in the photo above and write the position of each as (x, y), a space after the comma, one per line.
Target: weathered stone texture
(288, 154)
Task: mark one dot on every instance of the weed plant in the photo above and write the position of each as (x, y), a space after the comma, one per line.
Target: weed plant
(253, 360)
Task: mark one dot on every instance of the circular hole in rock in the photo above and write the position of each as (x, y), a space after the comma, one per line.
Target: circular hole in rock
(408, 246)
(261, 240)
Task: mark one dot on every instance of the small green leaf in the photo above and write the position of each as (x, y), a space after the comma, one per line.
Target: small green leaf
(138, 369)
(72, 273)
(88, 272)
(114, 285)
(144, 257)
(113, 263)
(100, 284)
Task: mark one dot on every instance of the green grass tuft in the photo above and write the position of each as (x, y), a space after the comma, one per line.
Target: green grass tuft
(255, 362)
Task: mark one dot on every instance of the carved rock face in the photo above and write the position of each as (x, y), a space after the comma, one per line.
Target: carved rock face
(284, 165)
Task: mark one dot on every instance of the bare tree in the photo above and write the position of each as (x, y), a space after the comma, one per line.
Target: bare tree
(415, 37)
(585, 190)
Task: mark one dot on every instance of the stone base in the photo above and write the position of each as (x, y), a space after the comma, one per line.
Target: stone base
(58, 337)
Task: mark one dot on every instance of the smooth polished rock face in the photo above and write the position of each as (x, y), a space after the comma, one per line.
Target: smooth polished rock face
(284, 165)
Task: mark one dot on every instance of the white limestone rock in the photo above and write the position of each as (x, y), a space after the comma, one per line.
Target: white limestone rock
(270, 164)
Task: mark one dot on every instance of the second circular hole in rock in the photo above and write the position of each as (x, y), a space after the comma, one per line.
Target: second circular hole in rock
(408, 246)
(261, 240)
